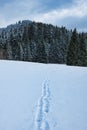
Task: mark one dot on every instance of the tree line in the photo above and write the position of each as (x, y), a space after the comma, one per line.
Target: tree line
(44, 43)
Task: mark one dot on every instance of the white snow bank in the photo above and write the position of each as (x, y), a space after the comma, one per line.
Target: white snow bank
(42, 97)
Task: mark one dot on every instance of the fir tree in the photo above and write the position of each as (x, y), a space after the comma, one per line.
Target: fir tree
(82, 57)
(72, 52)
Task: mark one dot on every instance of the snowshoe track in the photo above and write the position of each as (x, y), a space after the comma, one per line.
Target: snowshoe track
(43, 106)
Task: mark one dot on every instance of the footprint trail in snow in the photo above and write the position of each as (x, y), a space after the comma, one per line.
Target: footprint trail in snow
(43, 106)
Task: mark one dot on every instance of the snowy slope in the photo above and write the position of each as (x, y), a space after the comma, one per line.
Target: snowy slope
(42, 97)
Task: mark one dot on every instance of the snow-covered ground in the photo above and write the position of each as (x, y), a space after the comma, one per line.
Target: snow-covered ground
(42, 97)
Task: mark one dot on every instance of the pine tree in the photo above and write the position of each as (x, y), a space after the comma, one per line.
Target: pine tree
(82, 58)
(41, 52)
(72, 52)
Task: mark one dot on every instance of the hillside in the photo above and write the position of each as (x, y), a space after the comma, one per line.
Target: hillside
(42, 97)
(44, 43)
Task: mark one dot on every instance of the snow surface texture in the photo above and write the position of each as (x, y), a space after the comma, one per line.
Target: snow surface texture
(42, 97)
(43, 109)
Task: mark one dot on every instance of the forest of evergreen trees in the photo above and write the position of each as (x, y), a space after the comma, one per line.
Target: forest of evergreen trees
(44, 43)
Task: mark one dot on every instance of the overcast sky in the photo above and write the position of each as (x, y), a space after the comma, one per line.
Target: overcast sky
(69, 13)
